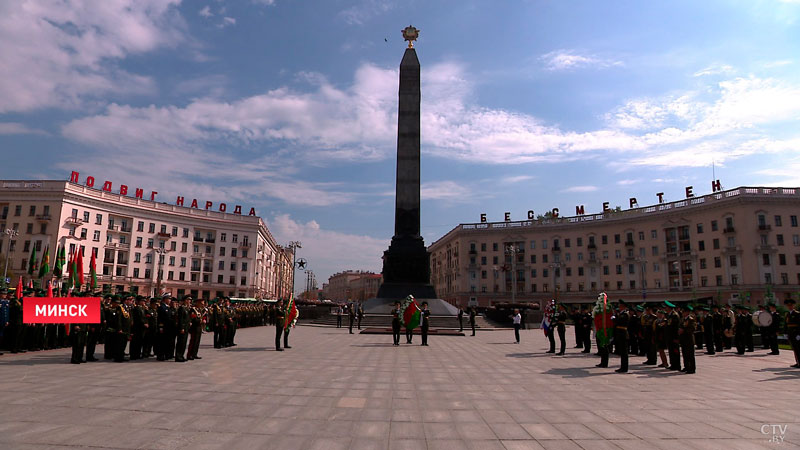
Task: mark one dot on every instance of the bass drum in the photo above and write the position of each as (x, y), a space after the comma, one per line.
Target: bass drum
(762, 318)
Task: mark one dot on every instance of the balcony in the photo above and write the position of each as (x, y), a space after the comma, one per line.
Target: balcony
(74, 221)
(764, 227)
(195, 269)
(43, 217)
(113, 227)
(729, 230)
(245, 245)
(629, 244)
(211, 240)
(122, 262)
(591, 246)
(117, 245)
(198, 239)
(556, 248)
(163, 235)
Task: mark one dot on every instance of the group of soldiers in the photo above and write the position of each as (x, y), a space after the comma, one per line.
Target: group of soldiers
(167, 328)
(353, 312)
(671, 333)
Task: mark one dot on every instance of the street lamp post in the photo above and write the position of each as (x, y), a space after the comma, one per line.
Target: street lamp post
(511, 250)
(294, 245)
(12, 233)
(161, 252)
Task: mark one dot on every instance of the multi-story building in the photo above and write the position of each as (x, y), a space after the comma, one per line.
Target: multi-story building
(143, 246)
(352, 285)
(740, 245)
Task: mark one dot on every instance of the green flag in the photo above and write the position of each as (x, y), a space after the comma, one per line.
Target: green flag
(45, 266)
(61, 260)
(32, 265)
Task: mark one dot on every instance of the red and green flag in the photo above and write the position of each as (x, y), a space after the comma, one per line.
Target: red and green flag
(411, 313)
(33, 265)
(602, 320)
(45, 266)
(61, 261)
(93, 272)
(79, 270)
(291, 313)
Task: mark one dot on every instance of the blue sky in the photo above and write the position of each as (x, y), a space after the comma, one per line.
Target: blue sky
(290, 106)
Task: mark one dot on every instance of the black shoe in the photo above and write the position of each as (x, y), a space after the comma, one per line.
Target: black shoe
(585, 351)
(689, 372)
(190, 358)
(91, 359)
(198, 357)
(286, 346)
(550, 351)
(601, 365)
(770, 353)
(578, 346)
(621, 371)
(279, 349)
(560, 354)
(179, 359)
(72, 361)
(683, 370)
(796, 366)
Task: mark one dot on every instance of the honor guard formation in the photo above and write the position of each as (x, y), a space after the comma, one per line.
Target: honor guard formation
(135, 326)
(670, 332)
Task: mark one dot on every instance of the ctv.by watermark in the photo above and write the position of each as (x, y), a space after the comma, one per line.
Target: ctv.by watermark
(776, 433)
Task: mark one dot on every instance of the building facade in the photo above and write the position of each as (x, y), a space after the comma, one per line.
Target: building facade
(739, 246)
(352, 285)
(143, 246)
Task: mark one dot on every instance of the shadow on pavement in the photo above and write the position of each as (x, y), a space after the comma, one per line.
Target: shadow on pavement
(36, 360)
(576, 373)
(787, 373)
(376, 344)
(247, 349)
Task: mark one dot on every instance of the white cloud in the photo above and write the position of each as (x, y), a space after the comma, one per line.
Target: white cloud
(365, 11)
(69, 50)
(327, 251)
(559, 60)
(716, 69)
(445, 190)
(227, 21)
(18, 128)
(206, 11)
(580, 189)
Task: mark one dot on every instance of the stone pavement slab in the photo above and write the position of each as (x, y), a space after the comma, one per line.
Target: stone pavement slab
(334, 390)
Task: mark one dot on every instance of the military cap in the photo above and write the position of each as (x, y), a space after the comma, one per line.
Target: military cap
(661, 311)
(688, 307)
(424, 303)
(165, 295)
(115, 299)
(706, 308)
(789, 301)
(669, 304)
(622, 302)
(715, 306)
(639, 308)
(771, 304)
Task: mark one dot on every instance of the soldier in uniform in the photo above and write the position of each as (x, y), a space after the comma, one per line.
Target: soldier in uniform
(279, 324)
(78, 340)
(108, 337)
(740, 329)
(728, 322)
(708, 330)
(560, 319)
(230, 323)
(773, 329)
(460, 320)
(15, 325)
(396, 323)
(717, 322)
(426, 323)
(660, 337)
(793, 329)
(360, 314)
(647, 343)
(634, 326)
(115, 343)
(198, 320)
(351, 314)
(287, 327)
(150, 327)
(673, 324)
(137, 329)
(472, 319)
(182, 322)
(93, 333)
(4, 316)
(217, 322)
(686, 336)
(585, 323)
(164, 323)
(621, 322)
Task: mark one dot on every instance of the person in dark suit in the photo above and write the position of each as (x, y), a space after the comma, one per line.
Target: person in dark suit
(472, 319)
(396, 323)
(561, 326)
(280, 314)
(351, 313)
(138, 328)
(773, 329)
(585, 323)
(182, 322)
(673, 324)
(426, 323)
(359, 315)
(686, 337)
(460, 320)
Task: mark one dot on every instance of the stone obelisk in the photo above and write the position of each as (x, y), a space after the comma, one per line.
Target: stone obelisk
(406, 265)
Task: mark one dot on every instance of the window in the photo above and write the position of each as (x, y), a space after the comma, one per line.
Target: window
(544, 258)
(42, 228)
(765, 259)
(718, 280)
(732, 260)
(764, 239)
(656, 267)
(699, 228)
(147, 274)
(702, 263)
(174, 231)
(617, 254)
(544, 244)
(483, 274)
(782, 259)
(244, 281)
(173, 246)
(140, 226)
(98, 219)
(244, 266)
(86, 216)
(235, 238)
(184, 247)
(233, 265)
(244, 253)
(701, 245)
(96, 236)
(567, 257)
(186, 232)
(580, 242)
(569, 271)
(84, 231)
(150, 243)
(717, 262)
(641, 235)
(768, 278)
(566, 242)
(793, 220)
(138, 242)
(233, 252)
(494, 259)
(605, 270)
(183, 262)
(483, 247)
(734, 279)
(152, 228)
(580, 256)
(544, 273)
(148, 258)
(619, 269)
(654, 250)
(796, 240)
(556, 244)
(171, 260)
(617, 239)
(533, 273)
(135, 272)
(18, 211)
(631, 269)
(779, 237)
(605, 254)
(716, 244)
(797, 259)
(533, 259)
(29, 228)
(604, 239)
(703, 281)
(163, 229)
(483, 260)
(580, 271)
(170, 275)
(778, 221)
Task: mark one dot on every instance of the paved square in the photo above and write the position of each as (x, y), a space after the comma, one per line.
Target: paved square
(334, 390)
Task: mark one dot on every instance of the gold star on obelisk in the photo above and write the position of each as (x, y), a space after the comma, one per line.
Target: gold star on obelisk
(410, 34)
